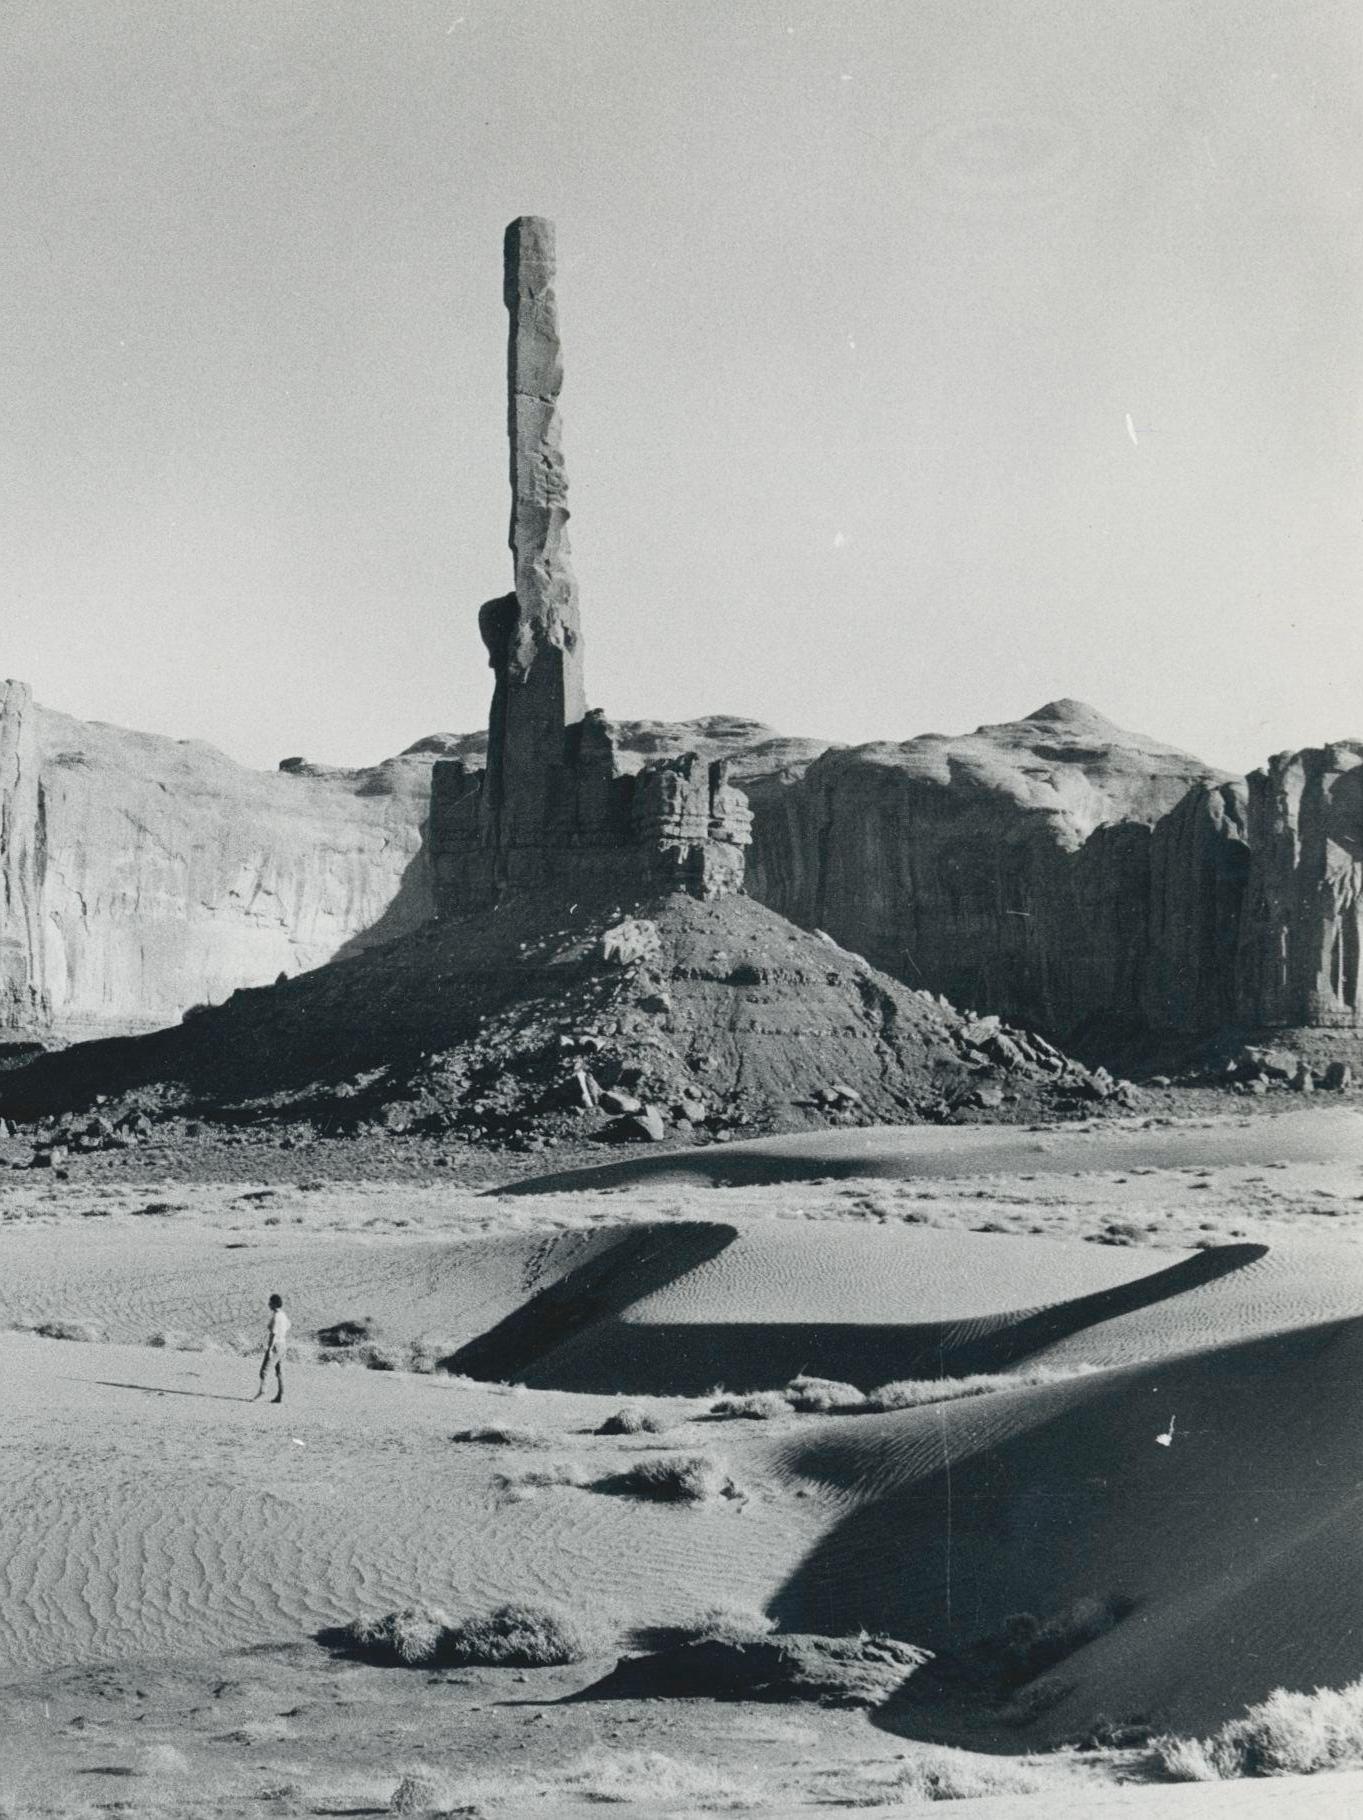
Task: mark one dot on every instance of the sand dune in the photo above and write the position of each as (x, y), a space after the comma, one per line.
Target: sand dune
(1238, 1541)
(930, 1152)
(150, 1511)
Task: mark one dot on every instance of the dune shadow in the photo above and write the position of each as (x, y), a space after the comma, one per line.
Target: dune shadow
(634, 1263)
(597, 1352)
(1069, 1505)
(709, 1166)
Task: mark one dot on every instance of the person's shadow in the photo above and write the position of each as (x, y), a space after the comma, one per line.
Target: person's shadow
(156, 1390)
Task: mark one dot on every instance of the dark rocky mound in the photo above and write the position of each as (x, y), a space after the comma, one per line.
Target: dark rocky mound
(835, 1671)
(618, 1021)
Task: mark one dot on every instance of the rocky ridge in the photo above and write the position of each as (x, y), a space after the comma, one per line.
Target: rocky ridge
(539, 1023)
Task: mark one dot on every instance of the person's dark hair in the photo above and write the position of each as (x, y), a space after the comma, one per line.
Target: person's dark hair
(276, 1301)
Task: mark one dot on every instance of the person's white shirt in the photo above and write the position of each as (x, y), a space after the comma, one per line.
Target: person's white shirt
(279, 1329)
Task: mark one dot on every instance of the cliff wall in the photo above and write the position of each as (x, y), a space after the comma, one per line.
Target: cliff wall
(1008, 868)
(142, 875)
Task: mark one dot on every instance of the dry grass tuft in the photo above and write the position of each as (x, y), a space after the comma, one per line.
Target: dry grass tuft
(756, 1406)
(518, 1486)
(822, 1396)
(85, 1331)
(419, 1793)
(412, 1636)
(651, 1776)
(717, 1624)
(933, 1773)
(673, 1479)
(491, 1435)
(1289, 1734)
(525, 1636)
(632, 1420)
(910, 1393)
(511, 1636)
(173, 1340)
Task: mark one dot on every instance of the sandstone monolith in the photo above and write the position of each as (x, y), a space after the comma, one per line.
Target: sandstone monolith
(556, 808)
(533, 634)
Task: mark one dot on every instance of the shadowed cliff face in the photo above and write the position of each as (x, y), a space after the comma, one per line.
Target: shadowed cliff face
(1069, 874)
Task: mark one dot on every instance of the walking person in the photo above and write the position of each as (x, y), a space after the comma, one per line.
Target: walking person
(276, 1342)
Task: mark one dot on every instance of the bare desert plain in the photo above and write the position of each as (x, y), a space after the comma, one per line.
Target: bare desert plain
(1141, 1519)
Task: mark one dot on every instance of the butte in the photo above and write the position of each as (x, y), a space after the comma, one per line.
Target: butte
(594, 969)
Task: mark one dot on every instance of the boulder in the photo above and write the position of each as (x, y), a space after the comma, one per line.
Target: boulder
(647, 1126)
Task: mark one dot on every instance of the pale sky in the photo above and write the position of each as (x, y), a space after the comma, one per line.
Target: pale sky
(926, 360)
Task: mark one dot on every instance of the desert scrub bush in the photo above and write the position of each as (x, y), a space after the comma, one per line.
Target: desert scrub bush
(632, 1420)
(489, 1435)
(910, 1393)
(1289, 1734)
(756, 1406)
(172, 1340)
(649, 1776)
(511, 1636)
(673, 1479)
(717, 1624)
(84, 1331)
(822, 1396)
(517, 1486)
(412, 1636)
(426, 1355)
(525, 1636)
(419, 1793)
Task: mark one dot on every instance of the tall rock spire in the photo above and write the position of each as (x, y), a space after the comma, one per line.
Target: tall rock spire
(534, 635)
(555, 809)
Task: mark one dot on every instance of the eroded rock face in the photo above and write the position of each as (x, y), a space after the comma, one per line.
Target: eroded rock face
(142, 875)
(1008, 868)
(1300, 928)
(23, 999)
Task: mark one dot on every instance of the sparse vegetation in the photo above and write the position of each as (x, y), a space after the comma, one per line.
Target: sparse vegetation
(635, 1776)
(909, 1393)
(717, 1624)
(490, 1435)
(673, 1479)
(826, 1396)
(511, 1636)
(524, 1636)
(1289, 1734)
(84, 1331)
(822, 1396)
(419, 1793)
(525, 1483)
(931, 1773)
(632, 1420)
(756, 1406)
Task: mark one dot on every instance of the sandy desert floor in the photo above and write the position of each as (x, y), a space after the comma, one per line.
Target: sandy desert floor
(172, 1550)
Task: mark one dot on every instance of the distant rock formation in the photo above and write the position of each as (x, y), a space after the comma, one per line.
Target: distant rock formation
(1077, 877)
(1297, 958)
(555, 808)
(141, 875)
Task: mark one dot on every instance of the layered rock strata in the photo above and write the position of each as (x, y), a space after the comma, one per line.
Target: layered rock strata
(555, 808)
